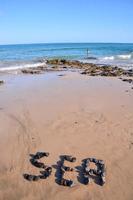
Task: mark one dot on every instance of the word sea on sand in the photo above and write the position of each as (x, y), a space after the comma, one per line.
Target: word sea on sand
(85, 172)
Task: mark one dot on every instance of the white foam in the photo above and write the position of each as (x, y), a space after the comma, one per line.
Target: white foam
(125, 57)
(119, 57)
(22, 66)
(109, 58)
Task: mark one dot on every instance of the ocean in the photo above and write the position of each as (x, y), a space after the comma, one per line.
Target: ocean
(29, 55)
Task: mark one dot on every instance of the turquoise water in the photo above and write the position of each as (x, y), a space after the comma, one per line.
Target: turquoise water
(101, 53)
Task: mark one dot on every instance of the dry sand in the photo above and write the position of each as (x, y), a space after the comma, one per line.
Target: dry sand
(72, 114)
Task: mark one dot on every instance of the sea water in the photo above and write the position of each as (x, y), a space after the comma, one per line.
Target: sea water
(31, 55)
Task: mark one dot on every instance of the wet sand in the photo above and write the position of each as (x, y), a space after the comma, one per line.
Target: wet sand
(72, 114)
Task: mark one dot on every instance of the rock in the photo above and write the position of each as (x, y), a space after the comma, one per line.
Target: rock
(39, 155)
(130, 72)
(93, 160)
(46, 173)
(127, 80)
(86, 180)
(63, 61)
(69, 158)
(103, 180)
(101, 162)
(53, 61)
(65, 182)
(84, 72)
(91, 58)
(61, 75)
(68, 169)
(55, 67)
(41, 68)
(37, 164)
(29, 177)
(1, 82)
(31, 71)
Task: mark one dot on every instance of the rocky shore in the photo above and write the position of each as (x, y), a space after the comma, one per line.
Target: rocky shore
(86, 68)
(90, 69)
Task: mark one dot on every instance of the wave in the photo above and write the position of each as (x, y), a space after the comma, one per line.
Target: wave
(22, 66)
(119, 57)
(125, 57)
(109, 58)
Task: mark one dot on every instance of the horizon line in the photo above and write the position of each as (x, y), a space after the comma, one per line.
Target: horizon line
(66, 43)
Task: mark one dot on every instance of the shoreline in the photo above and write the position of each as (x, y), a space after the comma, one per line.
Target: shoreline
(43, 64)
(62, 65)
(47, 64)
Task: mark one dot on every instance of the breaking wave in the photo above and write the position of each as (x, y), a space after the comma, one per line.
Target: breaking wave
(125, 57)
(109, 58)
(119, 57)
(17, 66)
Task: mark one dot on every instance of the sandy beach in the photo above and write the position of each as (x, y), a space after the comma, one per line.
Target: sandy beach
(66, 100)
(65, 113)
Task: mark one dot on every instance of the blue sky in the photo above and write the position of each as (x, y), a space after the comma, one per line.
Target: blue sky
(36, 21)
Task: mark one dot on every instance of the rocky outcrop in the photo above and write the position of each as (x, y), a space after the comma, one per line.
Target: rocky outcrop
(90, 68)
(41, 69)
(85, 68)
(104, 71)
(64, 62)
